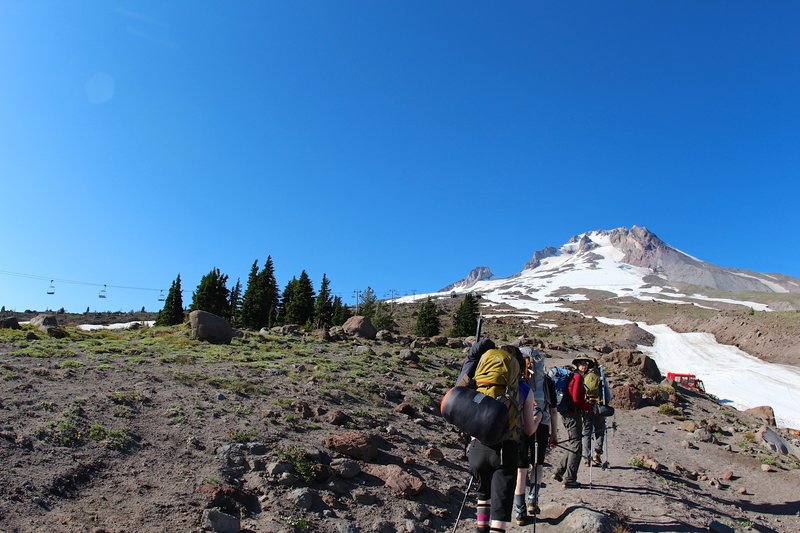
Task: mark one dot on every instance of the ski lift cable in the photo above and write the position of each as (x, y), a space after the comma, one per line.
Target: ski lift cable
(75, 282)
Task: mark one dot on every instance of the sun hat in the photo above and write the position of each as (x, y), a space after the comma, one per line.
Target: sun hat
(589, 361)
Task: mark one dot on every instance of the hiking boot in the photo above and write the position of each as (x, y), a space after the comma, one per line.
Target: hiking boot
(533, 508)
(519, 514)
(598, 460)
(571, 484)
(558, 476)
(586, 461)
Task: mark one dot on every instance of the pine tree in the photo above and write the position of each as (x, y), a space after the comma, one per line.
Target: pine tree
(466, 320)
(298, 305)
(339, 312)
(212, 294)
(323, 306)
(235, 303)
(368, 303)
(251, 311)
(382, 318)
(287, 302)
(427, 320)
(269, 293)
(172, 312)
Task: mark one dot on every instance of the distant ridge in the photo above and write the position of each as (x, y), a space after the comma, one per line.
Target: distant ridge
(475, 275)
(627, 262)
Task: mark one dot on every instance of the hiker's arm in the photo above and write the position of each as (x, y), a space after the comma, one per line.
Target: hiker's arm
(553, 427)
(470, 361)
(531, 415)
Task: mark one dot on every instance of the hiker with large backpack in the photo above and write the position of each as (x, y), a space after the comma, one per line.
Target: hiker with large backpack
(572, 408)
(490, 378)
(594, 425)
(533, 448)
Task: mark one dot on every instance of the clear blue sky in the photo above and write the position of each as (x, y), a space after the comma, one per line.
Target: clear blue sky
(388, 144)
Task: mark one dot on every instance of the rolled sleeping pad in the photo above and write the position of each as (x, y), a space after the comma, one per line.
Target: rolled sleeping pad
(605, 410)
(476, 414)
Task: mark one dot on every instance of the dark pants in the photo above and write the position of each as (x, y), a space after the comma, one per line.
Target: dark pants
(596, 424)
(495, 470)
(527, 450)
(573, 423)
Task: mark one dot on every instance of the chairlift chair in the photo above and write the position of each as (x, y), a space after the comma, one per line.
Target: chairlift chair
(161, 297)
(102, 292)
(52, 288)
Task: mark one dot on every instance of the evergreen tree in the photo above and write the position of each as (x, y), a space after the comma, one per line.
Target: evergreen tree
(428, 320)
(268, 287)
(235, 303)
(369, 303)
(382, 318)
(323, 306)
(260, 301)
(250, 312)
(465, 321)
(172, 312)
(212, 294)
(287, 299)
(299, 301)
(339, 312)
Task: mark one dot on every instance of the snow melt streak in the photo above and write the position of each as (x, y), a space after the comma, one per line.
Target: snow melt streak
(727, 372)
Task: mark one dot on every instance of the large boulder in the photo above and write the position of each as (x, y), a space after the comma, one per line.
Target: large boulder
(360, 326)
(209, 327)
(583, 520)
(9, 323)
(626, 397)
(650, 369)
(44, 320)
(764, 412)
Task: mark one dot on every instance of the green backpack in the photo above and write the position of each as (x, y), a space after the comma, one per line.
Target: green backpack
(593, 385)
(497, 376)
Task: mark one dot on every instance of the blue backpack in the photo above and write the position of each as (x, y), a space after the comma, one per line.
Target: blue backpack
(561, 378)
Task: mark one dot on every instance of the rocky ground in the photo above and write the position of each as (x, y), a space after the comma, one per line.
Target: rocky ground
(149, 430)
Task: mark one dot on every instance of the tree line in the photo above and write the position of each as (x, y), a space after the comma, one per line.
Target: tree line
(260, 304)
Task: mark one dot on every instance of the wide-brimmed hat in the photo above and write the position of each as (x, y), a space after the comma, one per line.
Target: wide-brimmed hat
(589, 360)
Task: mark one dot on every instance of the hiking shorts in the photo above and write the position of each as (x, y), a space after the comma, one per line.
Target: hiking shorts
(495, 471)
(527, 450)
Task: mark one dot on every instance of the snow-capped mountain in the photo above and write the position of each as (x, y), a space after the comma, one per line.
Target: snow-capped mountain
(625, 262)
(475, 275)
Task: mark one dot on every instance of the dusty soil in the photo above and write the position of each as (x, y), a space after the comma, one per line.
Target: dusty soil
(144, 430)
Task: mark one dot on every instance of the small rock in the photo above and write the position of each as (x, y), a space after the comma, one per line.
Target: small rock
(220, 522)
(727, 475)
(742, 490)
(767, 468)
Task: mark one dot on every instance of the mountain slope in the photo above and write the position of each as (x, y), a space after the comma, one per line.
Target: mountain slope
(629, 262)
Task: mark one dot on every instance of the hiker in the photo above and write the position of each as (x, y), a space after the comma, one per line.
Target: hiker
(534, 447)
(572, 419)
(495, 467)
(598, 393)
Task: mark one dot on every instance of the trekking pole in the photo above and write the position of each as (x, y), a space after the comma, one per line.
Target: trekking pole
(466, 493)
(591, 447)
(478, 328)
(535, 482)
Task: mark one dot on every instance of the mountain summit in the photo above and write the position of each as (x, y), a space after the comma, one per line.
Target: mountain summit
(627, 262)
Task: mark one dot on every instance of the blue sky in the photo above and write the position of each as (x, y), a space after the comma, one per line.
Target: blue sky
(388, 144)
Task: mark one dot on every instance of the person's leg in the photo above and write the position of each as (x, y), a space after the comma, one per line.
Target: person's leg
(599, 435)
(503, 483)
(572, 423)
(522, 482)
(537, 460)
(586, 441)
(480, 460)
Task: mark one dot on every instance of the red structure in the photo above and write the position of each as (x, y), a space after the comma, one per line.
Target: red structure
(689, 381)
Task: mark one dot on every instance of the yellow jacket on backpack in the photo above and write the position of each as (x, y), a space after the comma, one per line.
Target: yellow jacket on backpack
(497, 375)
